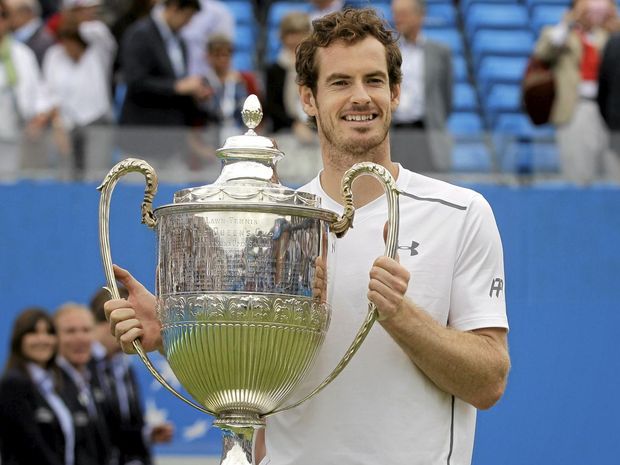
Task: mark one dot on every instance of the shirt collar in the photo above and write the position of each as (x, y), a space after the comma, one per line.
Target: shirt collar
(24, 33)
(158, 17)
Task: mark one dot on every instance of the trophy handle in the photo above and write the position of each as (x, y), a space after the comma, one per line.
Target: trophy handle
(131, 165)
(340, 227)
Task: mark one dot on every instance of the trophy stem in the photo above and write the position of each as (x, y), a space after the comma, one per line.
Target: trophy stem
(237, 446)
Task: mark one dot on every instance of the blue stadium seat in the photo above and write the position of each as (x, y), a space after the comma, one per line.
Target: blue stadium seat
(545, 15)
(471, 157)
(440, 15)
(502, 98)
(459, 69)
(527, 157)
(464, 98)
(244, 60)
(465, 124)
(499, 70)
(505, 16)
(532, 3)
(244, 37)
(464, 5)
(242, 10)
(450, 37)
(501, 43)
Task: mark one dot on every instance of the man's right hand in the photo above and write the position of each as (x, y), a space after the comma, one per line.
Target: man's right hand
(193, 86)
(134, 317)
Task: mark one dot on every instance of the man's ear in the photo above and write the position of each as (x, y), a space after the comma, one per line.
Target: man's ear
(395, 96)
(308, 102)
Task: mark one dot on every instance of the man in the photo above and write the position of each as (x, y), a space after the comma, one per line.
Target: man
(426, 94)
(573, 48)
(410, 394)
(75, 330)
(154, 65)
(119, 388)
(24, 105)
(163, 97)
(213, 18)
(609, 90)
(28, 27)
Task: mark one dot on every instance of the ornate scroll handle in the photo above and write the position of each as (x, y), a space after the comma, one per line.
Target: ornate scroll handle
(391, 246)
(131, 165)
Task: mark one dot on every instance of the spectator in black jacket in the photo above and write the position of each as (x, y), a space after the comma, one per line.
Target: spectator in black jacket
(609, 89)
(117, 384)
(75, 328)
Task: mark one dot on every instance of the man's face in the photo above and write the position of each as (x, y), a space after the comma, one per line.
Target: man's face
(220, 58)
(106, 339)
(18, 15)
(408, 17)
(353, 103)
(179, 17)
(75, 330)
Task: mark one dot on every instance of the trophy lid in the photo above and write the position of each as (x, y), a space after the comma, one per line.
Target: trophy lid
(249, 173)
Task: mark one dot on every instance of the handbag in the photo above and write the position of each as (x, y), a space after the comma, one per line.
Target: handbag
(538, 90)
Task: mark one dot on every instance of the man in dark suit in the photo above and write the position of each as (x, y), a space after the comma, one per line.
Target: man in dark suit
(162, 99)
(116, 384)
(426, 94)
(609, 90)
(154, 66)
(28, 27)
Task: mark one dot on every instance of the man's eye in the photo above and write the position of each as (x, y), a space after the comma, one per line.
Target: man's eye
(340, 83)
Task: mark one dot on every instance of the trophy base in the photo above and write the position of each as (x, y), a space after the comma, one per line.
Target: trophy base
(238, 437)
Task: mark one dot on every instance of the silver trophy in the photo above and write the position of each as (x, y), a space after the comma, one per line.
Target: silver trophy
(242, 282)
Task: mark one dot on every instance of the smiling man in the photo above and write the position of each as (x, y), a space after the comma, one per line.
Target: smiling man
(75, 327)
(410, 394)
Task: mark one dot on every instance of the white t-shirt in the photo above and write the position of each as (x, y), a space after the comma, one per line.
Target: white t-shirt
(382, 409)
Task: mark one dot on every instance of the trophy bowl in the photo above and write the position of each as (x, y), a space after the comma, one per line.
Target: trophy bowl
(243, 282)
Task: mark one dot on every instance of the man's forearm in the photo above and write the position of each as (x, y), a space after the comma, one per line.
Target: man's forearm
(473, 366)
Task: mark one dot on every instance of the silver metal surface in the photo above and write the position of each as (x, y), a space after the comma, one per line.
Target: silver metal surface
(242, 279)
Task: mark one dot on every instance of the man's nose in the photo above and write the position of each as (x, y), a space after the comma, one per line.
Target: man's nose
(359, 94)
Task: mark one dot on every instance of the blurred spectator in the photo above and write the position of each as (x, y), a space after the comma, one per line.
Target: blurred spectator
(134, 11)
(321, 8)
(23, 102)
(572, 48)
(609, 90)
(229, 87)
(425, 94)
(119, 387)
(159, 90)
(35, 424)
(282, 104)
(78, 73)
(213, 18)
(28, 27)
(75, 329)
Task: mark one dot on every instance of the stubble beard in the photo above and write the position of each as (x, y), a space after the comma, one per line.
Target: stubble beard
(344, 152)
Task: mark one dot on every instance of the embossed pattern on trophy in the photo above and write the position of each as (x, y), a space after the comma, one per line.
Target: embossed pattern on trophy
(240, 284)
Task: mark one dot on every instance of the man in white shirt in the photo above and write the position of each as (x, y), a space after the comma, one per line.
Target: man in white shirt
(214, 18)
(410, 394)
(426, 94)
(24, 105)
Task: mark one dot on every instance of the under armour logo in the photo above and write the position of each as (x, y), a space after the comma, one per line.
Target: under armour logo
(411, 248)
(497, 285)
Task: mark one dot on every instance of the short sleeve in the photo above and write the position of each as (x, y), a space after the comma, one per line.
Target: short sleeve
(478, 287)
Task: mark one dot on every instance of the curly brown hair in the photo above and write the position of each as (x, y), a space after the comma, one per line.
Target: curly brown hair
(350, 26)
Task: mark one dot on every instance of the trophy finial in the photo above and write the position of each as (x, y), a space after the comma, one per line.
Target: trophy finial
(252, 113)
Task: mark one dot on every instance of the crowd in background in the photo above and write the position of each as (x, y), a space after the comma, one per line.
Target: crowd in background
(68, 395)
(70, 70)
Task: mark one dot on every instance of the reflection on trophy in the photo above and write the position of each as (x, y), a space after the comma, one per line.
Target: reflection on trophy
(242, 278)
